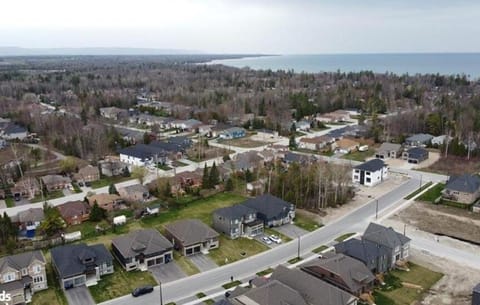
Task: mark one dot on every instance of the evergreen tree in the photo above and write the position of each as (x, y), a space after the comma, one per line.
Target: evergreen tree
(167, 191)
(214, 176)
(112, 189)
(205, 178)
(229, 185)
(292, 144)
(97, 213)
(53, 222)
(248, 176)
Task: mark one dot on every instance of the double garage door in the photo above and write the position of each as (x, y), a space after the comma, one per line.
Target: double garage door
(193, 250)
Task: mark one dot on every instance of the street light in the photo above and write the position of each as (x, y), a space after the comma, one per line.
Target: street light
(376, 209)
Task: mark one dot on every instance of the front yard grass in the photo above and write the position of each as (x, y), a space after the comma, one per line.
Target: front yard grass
(185, 264)
(120, 283)
(232, 250)
(420, 189)
(343, 237)
(294, 260)
(432, 194)
(231, 284)
(359, 155)
(403, 295)
(49, 196)
(9, 202)
(54, 295)
(265, 272)
(320, 249)
(106, 181)
(305, 222)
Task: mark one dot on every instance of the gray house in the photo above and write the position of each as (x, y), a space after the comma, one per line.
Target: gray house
(191, 236)
(81, 264)
(272, 210)
(237, 221)
(142, 249)
(388, 150)
(374, 256)
(415, 155)
(398, 245)
(419, 139)
(464, 189)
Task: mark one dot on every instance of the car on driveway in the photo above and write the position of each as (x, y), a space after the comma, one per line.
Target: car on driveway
(142, 290)
(267, 240)
(275, 239)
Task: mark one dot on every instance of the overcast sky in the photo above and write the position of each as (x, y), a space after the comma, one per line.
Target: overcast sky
(245, 26)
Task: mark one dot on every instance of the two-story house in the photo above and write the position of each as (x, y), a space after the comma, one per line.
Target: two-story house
(22, 275)
(370, 173)
(373, 255)
(237, 221)
(273, 211)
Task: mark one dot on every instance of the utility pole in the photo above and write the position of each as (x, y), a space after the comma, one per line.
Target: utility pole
(376, 209)
(298, 247)
(404, 229)
(160, 290)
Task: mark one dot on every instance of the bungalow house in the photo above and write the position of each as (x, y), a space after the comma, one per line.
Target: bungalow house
(249, 160)
(29, 220)
(81, 264)
(343, 272)
(272, 210)
(415, 155)
(21, 275)
(315, 143)
(302, 126)
(74, 212)
(388, 150)
(56, 182)
(218, 129)
(464, 189)
(108, 202)
(186, 125)
(88, 173)
(26, 187)
(420, 139)
(291, 157)
(134, 193)
(191, 236)
(370, 173)
(374, 256)
(142, 249)
(237, 221)
(113, 113)
(397, 245)
(346, 146)
(233, 133)
(14, 132)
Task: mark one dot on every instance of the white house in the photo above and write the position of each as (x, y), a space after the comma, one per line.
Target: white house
(370, 173)
(14, 131)
(302, 126)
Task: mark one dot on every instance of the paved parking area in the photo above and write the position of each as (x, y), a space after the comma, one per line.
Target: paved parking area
(259, 239)
(79, 296)
(291, 230)
(203, 262)
(167, 272)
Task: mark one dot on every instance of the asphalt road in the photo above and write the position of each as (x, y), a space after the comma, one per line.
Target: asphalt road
(355, 221)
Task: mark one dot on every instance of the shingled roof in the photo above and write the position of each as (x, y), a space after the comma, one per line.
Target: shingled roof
(384, 236)
(22, 260)
(191, 231)
(465, 183)
(148, 241)
(371, 166)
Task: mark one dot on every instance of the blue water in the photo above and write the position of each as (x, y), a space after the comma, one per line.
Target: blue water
(442, 63)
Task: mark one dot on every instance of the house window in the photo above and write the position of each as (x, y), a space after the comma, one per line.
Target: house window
(37, 269)
(24, 271)
(38, 279)
(355, 177)
(9, 277)
(368, 180)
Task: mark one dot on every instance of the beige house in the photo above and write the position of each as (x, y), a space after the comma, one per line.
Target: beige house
(88, 173)
(22, 275)
(463, 189)
(56, 182)
(108, 202)
(316, 143)
(27, 187)
(134, 193)
(346, 146)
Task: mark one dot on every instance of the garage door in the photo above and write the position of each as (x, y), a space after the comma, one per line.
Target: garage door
(150, 263)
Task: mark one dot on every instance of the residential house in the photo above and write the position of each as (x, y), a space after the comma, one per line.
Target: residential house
(343, 272)
(346, 146)
(113, 113)
(388, 150)
(291, 157)
(74, 212)
(111, 167)
(420, 139)
(249, 160)
(302, 126)
(272, 210)
(476, 295)
(181, 181)
(81, 264)
(237, 221)
(268, 155)
(29, 220)
(56, 182)
(186, 125)
(204, 129)
(134, 193)
(336, 116)
(142, 249)
(233, 133)
(415, 155)
(373, 255)
(26, 187)
(256, 187)
(142, 155)
(316, 143)
(14, 132)
(398, 245)
(21, 275)
(440, 140)
(108, 202)
(464, 189)
(191, 236)
(370, 173)
(218, 128)
(88, 173)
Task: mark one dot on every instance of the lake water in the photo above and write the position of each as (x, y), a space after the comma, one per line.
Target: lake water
(442, 63)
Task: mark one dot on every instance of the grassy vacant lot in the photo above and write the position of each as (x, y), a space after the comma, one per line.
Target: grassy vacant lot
(359, 155)
(106, 181)
(232, 250)
(54, 294)
(242, 142)
(432, 193)
(49, 196)
(306, 222)
(343, 237)
(185, 264)
(404, 295)
(413, 194)
(120, 283)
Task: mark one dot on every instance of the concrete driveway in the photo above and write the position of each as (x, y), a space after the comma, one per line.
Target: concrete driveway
(167, 272)
(79, 296)
(203, 262)
(291, 230)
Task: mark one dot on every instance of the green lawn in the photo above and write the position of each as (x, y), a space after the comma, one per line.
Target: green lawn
(432, 194)
(359, 155)
(120, 283)
(49, 196)
(9, 202)
(232, 250)
(164, 167)
(265, 272)
(305, 222)
(320, 249)
(185, 264)
(294, 260)
(404, 295)
(231, 284)
(343, 237)
(106, 181)
(420, 189)
(179, 164)
(54, 294)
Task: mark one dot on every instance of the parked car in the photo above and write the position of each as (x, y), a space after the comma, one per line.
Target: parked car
(275, 239)
(267, 240)
(142, 290)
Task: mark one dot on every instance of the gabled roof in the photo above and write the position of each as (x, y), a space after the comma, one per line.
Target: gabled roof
(14, 128)
(384, 236)
(270, 206)
(148, 241)
(389, 147)
(67, 258)
(419, 137)
(293, 157)
(234, 212)
(416, 152)
(54, 179)
(32, 214)
(135, 188)
(191, 231)
(272, 293)
(22, 260)
(363, 250)
(465, 183)
(371, 166)
(89, 170)
(73, 208)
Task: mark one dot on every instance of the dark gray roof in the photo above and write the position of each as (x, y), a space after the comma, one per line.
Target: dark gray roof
(67, 259)
(191, 231)
(477, 288)
(270, 206)
(389, 147)
(293, 157)
(384, 236)
(148, 241)
(465, 183)
(420, 137)
(352, 272)
(234, 212)
(416, 152)
(312, 289)
(223, 302)
(22, 260)
(274, 293)
(363, 250)
(371, 166)
(14, 128)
